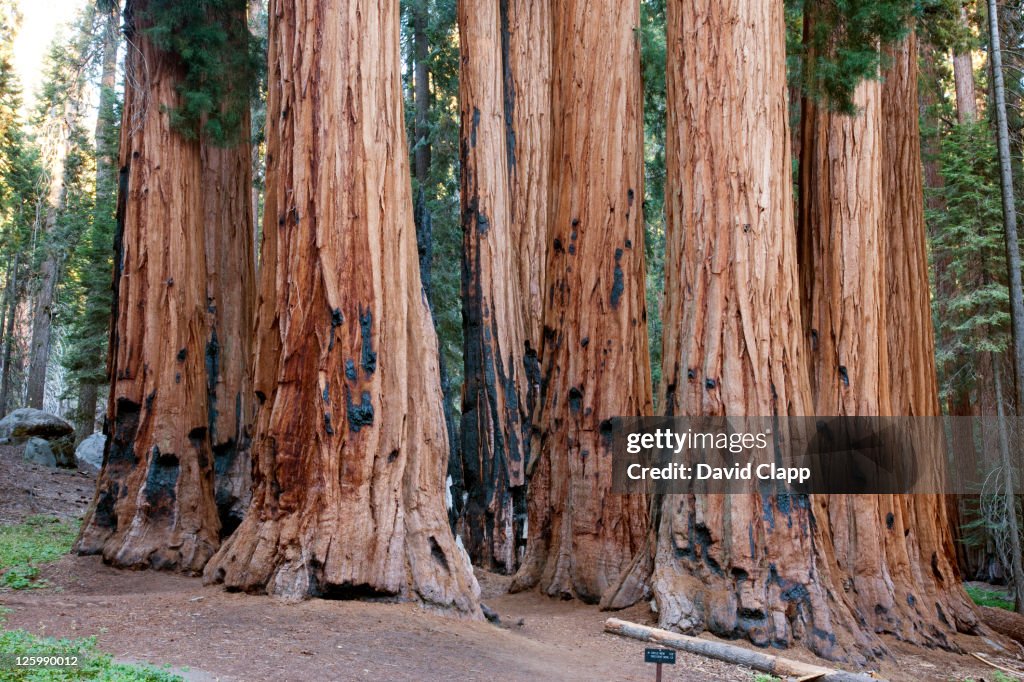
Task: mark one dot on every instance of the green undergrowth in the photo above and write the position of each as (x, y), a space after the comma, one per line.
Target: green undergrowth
(26, 546)
(92, 664)
(983, 597)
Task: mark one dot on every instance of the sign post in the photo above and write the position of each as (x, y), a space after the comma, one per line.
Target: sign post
(660, 656)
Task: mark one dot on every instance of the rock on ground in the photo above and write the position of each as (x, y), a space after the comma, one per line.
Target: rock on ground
(27, 422)
(38, 452)
(89, 453)
(59, 452)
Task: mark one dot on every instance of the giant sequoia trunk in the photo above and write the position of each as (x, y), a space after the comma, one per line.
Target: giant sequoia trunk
(863, 252)
(594, 354)
(230, 294)
(349, 445)
(738, 565)
(230, 304)
(501, 369)
(911, 337)
(526, 50)
(154, 503)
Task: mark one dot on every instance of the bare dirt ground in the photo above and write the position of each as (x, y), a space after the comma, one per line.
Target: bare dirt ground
(208, 634)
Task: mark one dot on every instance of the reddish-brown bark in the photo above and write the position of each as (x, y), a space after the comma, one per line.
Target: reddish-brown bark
(594, 355)
(350, 446)
(154, 503)
(230, 301)
(740, 565)
(911, 338)
(495, 410)
(865, 289)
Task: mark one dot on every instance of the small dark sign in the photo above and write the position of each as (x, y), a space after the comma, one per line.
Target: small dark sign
(660, 656)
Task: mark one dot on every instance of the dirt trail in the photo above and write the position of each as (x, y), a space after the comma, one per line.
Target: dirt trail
(162, 619)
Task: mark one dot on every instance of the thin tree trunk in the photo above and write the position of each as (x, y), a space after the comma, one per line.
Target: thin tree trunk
(88, 398)
(1009, 496)
(594, 356)
(10, 307)
(349, 445)
(1009, 207)
(421, 90)
(88, 391)
(49, 271)
(963, 81)
(42, 314)
(1013, 263)
(154, 503)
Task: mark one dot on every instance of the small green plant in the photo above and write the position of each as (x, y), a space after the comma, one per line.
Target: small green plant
(765, 677)
(27, 545)
(983, 597)
(92, 664)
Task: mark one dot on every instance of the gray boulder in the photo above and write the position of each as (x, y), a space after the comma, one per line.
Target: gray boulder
(89, 453)
(57, 452)
(38, 451)
(27, 422)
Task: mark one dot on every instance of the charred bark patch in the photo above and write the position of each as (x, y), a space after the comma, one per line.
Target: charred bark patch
(353, 591)
(104, 516)
(575, 399)
(618, 280)
(224, 457)
(359, 414)
(212, 375)
(474, 127)
(368, 359)
(337, 319)
(161, 483)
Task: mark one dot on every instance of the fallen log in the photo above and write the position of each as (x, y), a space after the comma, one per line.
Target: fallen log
(1004, 622)
(730, 653)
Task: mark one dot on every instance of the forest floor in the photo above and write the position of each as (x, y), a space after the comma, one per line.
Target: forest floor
(205, 633)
